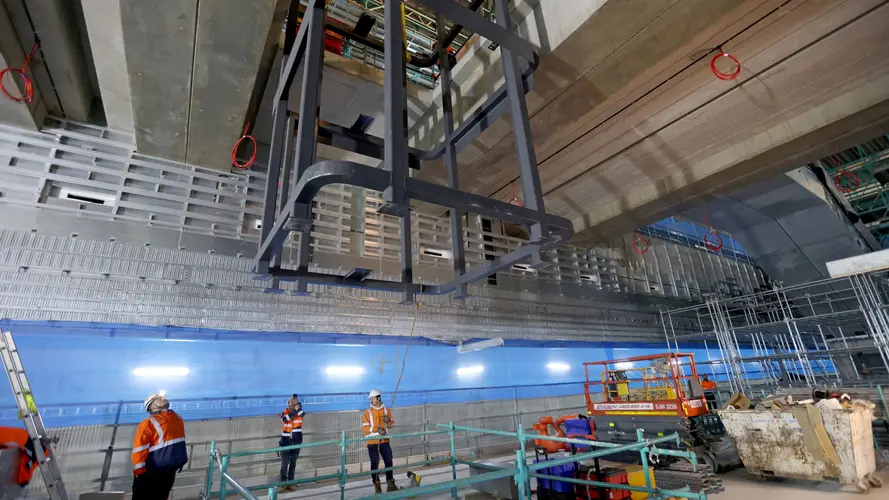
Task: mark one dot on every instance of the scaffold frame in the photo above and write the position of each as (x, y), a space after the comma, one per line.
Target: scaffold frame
(795, 333)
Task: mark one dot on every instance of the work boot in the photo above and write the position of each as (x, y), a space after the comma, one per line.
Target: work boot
(292, 487)
(378, 488)
(391, 486)
(283, 489)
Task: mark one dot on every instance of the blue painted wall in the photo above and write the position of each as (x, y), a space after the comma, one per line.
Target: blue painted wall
(80, 370)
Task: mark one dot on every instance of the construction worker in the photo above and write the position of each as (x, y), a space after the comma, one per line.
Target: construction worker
(377, 421)
(707, 384)
(18, 438)
(291, 434)
(159, 450)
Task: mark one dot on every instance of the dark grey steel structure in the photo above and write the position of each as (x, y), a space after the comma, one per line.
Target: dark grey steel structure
(301, 177)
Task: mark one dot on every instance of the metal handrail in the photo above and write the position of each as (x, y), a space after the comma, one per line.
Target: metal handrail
(522, 471)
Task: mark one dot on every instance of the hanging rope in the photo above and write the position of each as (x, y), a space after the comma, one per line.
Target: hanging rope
(515, 197)
(27, 94)
(721, 75)
(244, 137)
(712, 240)
(410, 341)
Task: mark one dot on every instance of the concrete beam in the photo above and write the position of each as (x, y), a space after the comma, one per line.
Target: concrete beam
(159, 47)
(853, 125)
(234, 39)
(12, 55)
(103, 22)
(66, 75)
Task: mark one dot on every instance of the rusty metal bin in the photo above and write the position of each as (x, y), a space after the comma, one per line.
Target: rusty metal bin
(792, 444)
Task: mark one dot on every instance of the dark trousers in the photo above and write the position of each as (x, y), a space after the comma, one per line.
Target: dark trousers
(376, 451)
(288, 464)
(154, 484)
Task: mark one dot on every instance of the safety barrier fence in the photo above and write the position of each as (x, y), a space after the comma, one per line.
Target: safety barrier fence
(98, 456)
(522, 471)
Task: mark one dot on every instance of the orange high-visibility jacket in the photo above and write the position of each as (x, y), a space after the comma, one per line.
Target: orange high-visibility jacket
(372, 421)
(16, 437)
(708, 385)
(292, 426)
(159, 443)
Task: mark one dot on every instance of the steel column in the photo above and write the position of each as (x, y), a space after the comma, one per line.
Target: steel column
(524, 142)
(395, 107)
(279, 117)
(458, 255)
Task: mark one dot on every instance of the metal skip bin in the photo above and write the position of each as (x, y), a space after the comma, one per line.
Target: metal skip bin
(806, 442)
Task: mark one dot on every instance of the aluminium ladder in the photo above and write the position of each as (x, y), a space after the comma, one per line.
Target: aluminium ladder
(24, 400)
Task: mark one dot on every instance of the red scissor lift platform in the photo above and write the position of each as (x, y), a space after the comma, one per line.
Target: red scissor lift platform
(660, 394)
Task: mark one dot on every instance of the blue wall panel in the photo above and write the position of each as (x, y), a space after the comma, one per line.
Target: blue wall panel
(79, 370)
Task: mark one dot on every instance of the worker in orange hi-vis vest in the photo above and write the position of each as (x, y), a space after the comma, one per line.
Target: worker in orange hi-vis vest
(377, 421)
(18, 438)
(159, 450)
(707, 384)
(291, 434)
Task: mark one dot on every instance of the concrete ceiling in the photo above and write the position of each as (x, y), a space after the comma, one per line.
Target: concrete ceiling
(629, 122)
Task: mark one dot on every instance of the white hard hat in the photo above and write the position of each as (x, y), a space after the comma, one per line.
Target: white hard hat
(374, 393)
(152, 398)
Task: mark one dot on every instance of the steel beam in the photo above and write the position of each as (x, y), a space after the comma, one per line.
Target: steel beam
(395, 106)
(287, 162)
(307, 130)
(276, 151)
(294, 59)
(394, 181)
(458, 255)
(346, 172)
(524, 142)
(501, 34)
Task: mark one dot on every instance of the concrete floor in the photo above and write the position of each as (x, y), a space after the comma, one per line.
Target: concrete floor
(738, 486)
(742, 486)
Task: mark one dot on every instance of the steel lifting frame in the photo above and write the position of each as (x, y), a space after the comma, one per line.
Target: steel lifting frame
(292, 158)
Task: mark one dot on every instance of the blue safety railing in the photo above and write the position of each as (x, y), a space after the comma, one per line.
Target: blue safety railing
(521, 471)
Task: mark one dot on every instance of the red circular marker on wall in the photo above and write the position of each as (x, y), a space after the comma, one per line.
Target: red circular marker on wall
(722, 75)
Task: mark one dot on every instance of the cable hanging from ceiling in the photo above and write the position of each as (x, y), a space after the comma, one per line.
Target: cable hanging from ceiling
(712, 240)
(27, 93)
(641, 244)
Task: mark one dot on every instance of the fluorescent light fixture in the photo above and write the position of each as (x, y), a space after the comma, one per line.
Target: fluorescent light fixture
(558, 367)
(161, 371)
(470, 370)
(336, 371)
(478, 346)
(626, 365)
